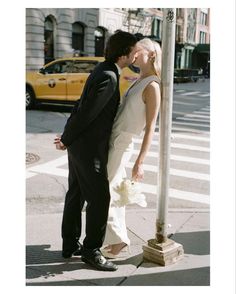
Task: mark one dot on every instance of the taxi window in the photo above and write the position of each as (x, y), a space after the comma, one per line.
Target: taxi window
(58, 67)
(83, 66)
(134, 69)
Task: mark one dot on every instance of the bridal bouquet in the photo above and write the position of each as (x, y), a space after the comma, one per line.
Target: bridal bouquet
(130, 192)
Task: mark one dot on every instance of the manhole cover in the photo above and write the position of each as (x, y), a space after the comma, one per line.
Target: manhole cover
(31, 158)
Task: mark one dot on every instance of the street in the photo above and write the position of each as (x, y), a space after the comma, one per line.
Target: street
(190, 151)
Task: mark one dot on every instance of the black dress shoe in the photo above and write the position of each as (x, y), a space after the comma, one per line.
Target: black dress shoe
(70, 249)
(96, 259)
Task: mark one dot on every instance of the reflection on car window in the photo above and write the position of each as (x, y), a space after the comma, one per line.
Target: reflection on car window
(83, 66)
(134, 68)
(58, 67)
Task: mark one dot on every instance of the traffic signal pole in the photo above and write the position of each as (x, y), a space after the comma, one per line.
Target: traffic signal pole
(162, 250)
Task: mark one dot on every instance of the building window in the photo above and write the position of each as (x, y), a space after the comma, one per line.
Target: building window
(78, 37)
(203, 18)
(156, 28)
(48, 40)
(178, 33)
(202, 39)
(99, 41)
(179, 12)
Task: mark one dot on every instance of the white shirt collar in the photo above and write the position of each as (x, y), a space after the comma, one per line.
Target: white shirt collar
(119, 69)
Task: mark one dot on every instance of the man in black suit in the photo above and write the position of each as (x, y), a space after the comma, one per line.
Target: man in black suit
(86, 138)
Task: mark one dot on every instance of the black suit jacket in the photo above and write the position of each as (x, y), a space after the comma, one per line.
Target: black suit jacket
(94, 113)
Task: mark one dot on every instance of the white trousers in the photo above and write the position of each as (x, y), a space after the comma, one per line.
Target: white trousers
(120, 152)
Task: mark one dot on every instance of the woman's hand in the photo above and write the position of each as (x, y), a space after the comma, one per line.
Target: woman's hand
(137, 172)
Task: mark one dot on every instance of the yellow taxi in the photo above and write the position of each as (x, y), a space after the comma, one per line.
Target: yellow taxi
(63, 80)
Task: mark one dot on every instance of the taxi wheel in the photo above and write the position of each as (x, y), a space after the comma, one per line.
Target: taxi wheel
(29, 98)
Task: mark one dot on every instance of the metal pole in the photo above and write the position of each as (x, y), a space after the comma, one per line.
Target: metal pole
(165, 121)
(162, 250)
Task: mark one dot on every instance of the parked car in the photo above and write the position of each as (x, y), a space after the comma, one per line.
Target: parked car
(63, 80)
(182, 75)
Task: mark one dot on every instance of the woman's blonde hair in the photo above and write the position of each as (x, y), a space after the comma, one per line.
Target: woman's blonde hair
(152, 46)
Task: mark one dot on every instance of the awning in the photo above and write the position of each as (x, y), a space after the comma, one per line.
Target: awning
(202, 48)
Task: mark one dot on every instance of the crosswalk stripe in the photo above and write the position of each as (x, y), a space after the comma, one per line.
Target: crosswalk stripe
(179, 194)
(177, 145)
(181, 128)
(205, 120)
(190, 137)
(190, 93)
(206, 112)
(189, 98)
(179, 91)
(174, 172)
(190, 124)
(177, 158)
(205, 95)
(30, 174)
(197, 116)
(185, 103)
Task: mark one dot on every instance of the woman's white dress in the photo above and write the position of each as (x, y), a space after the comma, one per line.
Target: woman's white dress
(129, 122)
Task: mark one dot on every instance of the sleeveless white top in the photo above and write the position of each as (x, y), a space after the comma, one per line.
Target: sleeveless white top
(131, 115)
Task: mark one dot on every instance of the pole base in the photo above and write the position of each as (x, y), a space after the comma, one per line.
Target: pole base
(165, 253)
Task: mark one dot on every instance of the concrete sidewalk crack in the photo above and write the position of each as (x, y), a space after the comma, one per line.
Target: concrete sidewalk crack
(190, 217)
(131, 274)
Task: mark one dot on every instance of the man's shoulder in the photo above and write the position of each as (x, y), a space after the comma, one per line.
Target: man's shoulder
(106, 66)
(105, 69)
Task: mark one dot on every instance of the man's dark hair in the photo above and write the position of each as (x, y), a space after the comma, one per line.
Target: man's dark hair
(119, 44)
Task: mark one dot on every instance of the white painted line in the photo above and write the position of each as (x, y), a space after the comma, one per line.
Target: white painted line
(190, 147)
(177, 157)
(202, 112)
(184, 103)
(197, 116)
(190, 159)
(190, 196)
(184, 195)
(189, 97)
(177, 145)
(179, 113)
(179, 91)
(51, 167)
(191, 93)
(190, 124)
(190, 137)
(175, 172)
(205, 95)
(205, 120)
(30, 174)
(189, 130)
(61, 172)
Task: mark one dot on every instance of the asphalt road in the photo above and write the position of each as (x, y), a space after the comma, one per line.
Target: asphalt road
(46, 182)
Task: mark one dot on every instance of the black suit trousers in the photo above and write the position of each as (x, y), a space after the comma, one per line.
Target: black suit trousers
(87, 182)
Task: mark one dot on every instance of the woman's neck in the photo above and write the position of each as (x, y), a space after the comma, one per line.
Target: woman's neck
(144, 74)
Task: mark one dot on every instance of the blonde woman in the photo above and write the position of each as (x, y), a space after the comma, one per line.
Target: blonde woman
(137, 113)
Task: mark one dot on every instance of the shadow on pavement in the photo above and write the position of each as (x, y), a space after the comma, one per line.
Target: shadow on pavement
(43, 263)
(196, 243)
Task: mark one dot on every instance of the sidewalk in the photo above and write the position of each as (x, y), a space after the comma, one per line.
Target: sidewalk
(189, 227)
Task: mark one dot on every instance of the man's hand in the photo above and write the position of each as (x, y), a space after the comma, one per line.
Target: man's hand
(59, 144)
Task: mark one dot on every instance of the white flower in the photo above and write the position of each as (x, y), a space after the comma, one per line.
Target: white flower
(130, 192)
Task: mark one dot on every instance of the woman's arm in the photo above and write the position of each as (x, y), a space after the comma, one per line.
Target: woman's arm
(152, 98)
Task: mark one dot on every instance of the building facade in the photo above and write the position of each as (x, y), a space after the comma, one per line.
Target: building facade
(54, 32)
(51, 33)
